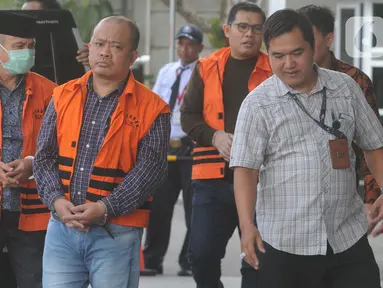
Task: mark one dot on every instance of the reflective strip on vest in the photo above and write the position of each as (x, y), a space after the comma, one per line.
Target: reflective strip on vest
(207, 159)
(98, 189)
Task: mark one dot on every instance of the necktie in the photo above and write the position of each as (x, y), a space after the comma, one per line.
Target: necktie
(175, 88)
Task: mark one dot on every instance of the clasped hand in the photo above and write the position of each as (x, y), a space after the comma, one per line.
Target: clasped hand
(15, 173)
(81, 217)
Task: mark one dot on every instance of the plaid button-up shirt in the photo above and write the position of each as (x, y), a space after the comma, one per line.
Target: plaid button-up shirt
(302, 201)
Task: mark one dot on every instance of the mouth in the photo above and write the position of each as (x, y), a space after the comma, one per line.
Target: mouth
(291, 73)
(248, 44)
(102, 63)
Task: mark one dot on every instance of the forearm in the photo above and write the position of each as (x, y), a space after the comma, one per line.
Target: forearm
(374, 160)
(198, 130)
(136, 188)
(371, 188)
(245, 192)
(192, 119)
(150, 170)
(45, 168)
(47, 180)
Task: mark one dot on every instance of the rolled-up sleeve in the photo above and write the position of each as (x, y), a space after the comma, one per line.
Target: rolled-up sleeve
(150, 170)
(368, 129)
(250, 137)
(45, 168)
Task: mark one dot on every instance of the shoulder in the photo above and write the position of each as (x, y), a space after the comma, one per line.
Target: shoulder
(37, 78)
(145, 95)
(267, 91)
(335, 79)
(169, 67)
(352, 71)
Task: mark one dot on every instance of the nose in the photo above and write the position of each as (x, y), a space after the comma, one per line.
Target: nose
(289, 62)
(249, 33)
(105, 52)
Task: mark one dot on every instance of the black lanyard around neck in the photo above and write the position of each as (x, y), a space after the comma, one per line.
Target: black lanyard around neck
(338, 134)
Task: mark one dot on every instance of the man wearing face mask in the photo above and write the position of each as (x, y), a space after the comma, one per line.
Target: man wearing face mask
(24, 97)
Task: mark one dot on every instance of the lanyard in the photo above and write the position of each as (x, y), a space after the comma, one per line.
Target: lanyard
(179, 72)
(334, 131)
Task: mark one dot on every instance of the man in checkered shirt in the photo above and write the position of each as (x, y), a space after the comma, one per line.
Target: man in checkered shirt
(311, 220)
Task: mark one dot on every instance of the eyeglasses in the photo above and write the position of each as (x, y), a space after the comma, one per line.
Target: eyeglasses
(244, 27)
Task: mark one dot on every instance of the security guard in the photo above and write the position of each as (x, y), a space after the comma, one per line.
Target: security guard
(170, 85)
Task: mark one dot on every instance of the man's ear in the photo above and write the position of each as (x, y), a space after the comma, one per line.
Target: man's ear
(226, 30)
(134, 57)
(201, 48)
(329, 39)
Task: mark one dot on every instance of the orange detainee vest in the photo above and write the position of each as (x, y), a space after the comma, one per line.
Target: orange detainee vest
(137, 109)
(207, 163)
(34, 215)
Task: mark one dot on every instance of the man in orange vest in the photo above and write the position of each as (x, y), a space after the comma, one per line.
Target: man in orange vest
(102, 150)
(24, 97)
(219, 84)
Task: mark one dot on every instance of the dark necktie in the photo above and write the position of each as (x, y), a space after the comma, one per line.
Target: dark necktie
(175, 88)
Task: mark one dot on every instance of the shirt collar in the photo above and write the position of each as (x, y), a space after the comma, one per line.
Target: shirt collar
(323, 80)
(119, 88)
(188, 66)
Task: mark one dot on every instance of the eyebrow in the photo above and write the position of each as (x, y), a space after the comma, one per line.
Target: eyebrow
(295, 50)
(112, 41)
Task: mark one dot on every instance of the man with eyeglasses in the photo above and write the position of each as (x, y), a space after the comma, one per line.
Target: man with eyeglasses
(218, 85)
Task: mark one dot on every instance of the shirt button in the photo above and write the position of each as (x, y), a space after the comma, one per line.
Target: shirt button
(87, 146)
(100, 101)
(78, 193)
(93, 122)
(81, 169)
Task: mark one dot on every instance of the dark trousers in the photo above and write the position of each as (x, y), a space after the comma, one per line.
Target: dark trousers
(164, 199)
(25, 251)
(214, 220)
(353, 268)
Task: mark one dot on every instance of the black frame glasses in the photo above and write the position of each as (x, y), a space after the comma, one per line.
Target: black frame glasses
(244, 27)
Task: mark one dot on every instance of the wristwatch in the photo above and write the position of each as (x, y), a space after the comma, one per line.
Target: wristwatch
(105, 218)
(32, 158)
(381, 191)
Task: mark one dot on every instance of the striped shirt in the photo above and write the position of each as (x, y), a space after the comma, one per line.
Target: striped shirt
(138, 184)
(302, 201)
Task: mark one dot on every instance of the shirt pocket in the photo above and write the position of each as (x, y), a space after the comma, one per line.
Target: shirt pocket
(347, 124)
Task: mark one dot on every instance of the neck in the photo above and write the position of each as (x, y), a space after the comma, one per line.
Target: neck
(9, 81)
(326, 62)
(104, 86)
(309, 83)
(243, 57)
(184, 63)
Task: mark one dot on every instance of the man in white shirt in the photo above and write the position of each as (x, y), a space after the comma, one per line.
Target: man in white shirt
(170, 85)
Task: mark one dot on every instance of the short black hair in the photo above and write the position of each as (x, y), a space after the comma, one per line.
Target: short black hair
(284, 21)
(133, 26)
(47, 4)
(321, 17)
(244, 6)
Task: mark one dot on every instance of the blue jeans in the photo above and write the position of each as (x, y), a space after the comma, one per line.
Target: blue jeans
(76, 259)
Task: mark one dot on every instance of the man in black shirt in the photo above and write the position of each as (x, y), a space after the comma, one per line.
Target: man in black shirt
(218, 85)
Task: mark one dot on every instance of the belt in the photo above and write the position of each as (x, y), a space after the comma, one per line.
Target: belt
(175, 143)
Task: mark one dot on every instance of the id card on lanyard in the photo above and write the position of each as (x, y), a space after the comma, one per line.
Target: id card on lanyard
(340, 157)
